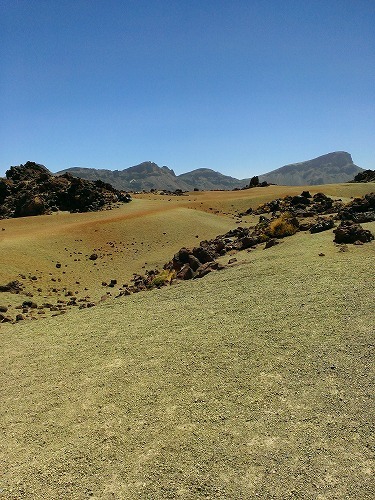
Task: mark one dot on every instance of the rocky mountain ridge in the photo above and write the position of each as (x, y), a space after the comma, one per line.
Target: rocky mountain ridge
(148, 175)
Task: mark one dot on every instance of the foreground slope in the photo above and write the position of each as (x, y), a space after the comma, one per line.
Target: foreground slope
(254, 382)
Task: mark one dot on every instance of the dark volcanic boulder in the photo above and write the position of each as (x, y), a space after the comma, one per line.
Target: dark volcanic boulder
(180, 258)
(349, 232)
(359, 217)
(206, 268)
(12, 287)
(363, 204)
(248, 242)
(203, 254)
(4, 318)
(322, 225)
(359, 210)
(194, 263)
(186, 273)
(300, 200)
(322, 203)
(28, 204)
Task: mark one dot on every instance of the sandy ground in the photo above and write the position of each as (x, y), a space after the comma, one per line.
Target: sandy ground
(139, 236)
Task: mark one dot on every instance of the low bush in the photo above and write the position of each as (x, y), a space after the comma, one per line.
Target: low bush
(162, 278)
(285, 225)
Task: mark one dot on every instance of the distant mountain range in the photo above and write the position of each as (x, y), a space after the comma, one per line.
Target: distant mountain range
(149, 175)
(327, 169)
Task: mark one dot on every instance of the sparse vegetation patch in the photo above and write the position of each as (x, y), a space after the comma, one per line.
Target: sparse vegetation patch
(285, 225)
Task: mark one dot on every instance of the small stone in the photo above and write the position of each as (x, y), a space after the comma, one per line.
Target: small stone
(29, 303)
(4, 318)
(271, 243)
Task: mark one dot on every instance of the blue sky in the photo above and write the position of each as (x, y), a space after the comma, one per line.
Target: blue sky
(242, 87)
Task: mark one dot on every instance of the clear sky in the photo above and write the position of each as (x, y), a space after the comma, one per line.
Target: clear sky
(242, 87)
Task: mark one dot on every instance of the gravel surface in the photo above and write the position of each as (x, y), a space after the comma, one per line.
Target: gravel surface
(255, 382)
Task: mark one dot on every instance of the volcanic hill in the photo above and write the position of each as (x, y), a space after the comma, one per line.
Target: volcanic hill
(330, 168)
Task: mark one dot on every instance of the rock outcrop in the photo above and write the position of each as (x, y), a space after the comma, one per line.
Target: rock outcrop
(288, 215)
(31, 189)
(350, 232)
(365, 176)
(359, 210)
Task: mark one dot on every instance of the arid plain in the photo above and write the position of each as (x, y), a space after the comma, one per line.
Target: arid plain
(254, 382)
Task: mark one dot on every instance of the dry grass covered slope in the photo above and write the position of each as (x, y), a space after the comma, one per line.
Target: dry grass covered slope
(252, 383)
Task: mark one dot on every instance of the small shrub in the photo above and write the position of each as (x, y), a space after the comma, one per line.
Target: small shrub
(163, 278)
(282, 226)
